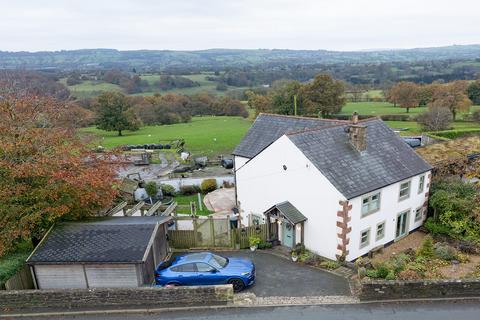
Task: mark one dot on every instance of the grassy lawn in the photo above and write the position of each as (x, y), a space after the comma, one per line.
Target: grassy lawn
(203, 135)
(11, 263)
(185, 201)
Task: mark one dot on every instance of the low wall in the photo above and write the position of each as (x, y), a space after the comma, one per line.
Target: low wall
(154, 297)
(391, 290)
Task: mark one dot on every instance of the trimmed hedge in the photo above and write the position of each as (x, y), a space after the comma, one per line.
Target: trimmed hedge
(457, 133)
(385, 117)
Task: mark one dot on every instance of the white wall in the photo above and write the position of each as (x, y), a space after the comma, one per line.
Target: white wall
(179, 182)
(239, 162)
(262, 183)
(390, 207)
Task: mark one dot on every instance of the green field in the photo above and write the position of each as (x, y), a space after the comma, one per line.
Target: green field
(204, 135)
(88, 89)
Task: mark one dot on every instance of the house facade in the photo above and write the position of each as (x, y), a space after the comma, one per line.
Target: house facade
(340, 188)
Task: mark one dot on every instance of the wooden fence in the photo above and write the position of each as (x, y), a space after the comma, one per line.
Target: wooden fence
(22, 280)
(211, 233)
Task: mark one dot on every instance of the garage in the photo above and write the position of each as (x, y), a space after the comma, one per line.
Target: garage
(101, 253)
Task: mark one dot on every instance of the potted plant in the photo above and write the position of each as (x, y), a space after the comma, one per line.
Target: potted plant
(254, 242)
(294, 256)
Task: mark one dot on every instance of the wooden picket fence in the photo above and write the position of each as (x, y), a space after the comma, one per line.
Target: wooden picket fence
(206, 234)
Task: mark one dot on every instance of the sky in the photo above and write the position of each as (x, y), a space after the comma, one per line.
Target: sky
(47, 25)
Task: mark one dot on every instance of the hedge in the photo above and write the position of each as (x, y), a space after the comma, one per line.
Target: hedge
(453, 134)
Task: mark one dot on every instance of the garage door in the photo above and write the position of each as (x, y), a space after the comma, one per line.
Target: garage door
(111, 276)
(58, 277)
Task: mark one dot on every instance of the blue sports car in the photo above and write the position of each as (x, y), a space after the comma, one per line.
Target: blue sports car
(206, 269)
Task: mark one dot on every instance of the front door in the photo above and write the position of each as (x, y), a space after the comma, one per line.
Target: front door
(402, 225)
(287, 232)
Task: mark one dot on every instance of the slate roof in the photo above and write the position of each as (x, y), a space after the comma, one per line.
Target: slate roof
(289, 211)
(269, 127)
(110, 240)
(387, 159)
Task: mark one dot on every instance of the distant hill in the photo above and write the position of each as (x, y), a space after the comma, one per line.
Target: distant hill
(158, 60)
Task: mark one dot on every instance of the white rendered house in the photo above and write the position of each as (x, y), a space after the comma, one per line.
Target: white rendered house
(340, 188)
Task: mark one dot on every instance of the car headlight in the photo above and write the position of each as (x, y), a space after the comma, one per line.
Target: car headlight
(245, 274)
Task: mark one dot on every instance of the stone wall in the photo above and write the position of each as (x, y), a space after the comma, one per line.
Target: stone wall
(390, 290)
(152, 297)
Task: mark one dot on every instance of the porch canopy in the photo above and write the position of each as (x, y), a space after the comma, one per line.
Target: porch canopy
(288, 211)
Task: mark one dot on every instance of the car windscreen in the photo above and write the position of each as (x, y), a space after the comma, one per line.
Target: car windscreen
(218, 261)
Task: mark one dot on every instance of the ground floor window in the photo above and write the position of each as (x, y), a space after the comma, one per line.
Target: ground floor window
(418, 214)
(380, 231)
(364, 238)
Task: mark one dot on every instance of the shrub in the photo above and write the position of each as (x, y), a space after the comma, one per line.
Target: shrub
(399, 262)
(390, 275)
(208, 185)
(254, 241)
(445, 252)
(167, 190)
(264, 245)
(372, 273)
(329, 264)
(151, 188)
(436, 228)
(457, 133)
(426, 250)
(382, 271)
(189, 190)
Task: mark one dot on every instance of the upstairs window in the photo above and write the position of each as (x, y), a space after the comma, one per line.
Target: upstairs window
(421, 184)
(370, 204)
(404, 190)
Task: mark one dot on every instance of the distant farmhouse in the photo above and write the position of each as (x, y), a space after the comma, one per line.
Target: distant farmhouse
(105, 252)
(340, 188)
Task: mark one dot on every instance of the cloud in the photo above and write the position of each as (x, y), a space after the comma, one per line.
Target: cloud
(189, 24)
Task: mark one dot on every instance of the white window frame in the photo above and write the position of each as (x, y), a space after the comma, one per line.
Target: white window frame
(367, 243)
(421, 184)
(400, 197)
(384, 223)
(369, 197)
(420, 218)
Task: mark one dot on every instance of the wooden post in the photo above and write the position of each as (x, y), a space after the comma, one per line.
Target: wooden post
(212, 229)
(302, 232)
(195, 233)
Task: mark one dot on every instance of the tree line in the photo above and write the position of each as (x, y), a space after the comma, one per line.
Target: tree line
(113, 111)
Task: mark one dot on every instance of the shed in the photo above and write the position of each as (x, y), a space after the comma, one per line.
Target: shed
(100, 253)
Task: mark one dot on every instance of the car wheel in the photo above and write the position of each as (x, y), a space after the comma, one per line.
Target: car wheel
(173, 284)
(237, 284)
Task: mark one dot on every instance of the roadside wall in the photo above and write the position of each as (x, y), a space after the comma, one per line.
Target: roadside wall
(151, 297)
(391, 290)
(177, 183)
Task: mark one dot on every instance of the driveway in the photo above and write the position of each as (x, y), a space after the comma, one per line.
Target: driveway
(282, 278)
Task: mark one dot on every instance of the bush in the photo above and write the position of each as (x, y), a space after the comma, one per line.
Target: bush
(457, 133)
(167, 190)
(382, 271)
(390, 275)
(445, 252)
(254, 241)
(189, 190)
(426, 250)
(436, 228)
(264, 245)
(329, 264)
(151, 188)
(208, 185)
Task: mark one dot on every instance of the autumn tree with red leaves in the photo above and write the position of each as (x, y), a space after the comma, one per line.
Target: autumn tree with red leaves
(47, 172)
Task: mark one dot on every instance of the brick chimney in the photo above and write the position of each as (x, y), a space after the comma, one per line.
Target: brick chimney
(357, 134)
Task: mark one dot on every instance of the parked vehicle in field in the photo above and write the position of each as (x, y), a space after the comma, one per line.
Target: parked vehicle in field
(206, 268)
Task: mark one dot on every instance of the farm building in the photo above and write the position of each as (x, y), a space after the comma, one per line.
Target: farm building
(106, 252)
(341, 188)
